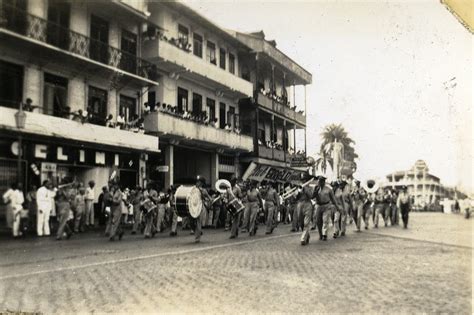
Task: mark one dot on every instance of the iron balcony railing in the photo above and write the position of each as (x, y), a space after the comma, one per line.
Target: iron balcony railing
(23, 23)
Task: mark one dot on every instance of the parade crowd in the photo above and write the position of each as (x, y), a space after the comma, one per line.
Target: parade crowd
(69, 209)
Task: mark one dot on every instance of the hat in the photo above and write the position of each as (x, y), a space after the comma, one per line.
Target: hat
(201, 179)
(321, 177)
(404, 187)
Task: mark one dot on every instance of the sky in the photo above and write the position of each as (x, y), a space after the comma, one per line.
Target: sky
(397, 74)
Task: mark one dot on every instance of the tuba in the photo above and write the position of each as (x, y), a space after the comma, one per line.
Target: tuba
(222, 185)
(370, 186)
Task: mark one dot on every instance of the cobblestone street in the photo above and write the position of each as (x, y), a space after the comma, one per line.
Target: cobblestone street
(389, 270)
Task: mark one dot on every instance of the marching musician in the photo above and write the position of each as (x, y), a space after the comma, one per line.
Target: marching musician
(341, 214)
(206, 200)
(306, 209)
(358, 196)
(235, 192)
(174, 214)
(254, 203)
(150, 201)
(379, 206)
(404, 204)
(137, 199)
(116, 212)
(161, 201)
(272, 203)
(297, 217)
(325, 200)
(387, 198)
(393, 205)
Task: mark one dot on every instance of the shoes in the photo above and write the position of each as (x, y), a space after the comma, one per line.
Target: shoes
(120, 235)
(313, 228)
(173, 233)
(303, 243)
(268, 233)
(366, 228)
(335, 235)
(232, 236)
(343, 234)
(244, 230)
(133, 233)
(197, 241)
(325, 237)
(147, 236)
(376, 226)
(292, 230)
(112, 238)
(68, 236)
(320, 237)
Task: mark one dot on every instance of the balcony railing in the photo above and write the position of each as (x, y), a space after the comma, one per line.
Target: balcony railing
(281, 109)
(37, 28)
(167, 125)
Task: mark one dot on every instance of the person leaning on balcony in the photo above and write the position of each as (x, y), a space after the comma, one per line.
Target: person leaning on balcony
(120, 121)
(43, 200)
(89, 198)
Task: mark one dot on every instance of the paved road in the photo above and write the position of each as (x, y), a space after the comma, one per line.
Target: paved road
(383, 271)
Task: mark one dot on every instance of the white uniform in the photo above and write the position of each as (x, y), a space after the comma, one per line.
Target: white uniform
(16, 199)
(43, 200)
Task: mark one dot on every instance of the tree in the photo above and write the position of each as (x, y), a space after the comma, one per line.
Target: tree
(331, 134)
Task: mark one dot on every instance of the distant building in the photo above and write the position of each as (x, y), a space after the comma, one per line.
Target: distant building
(425, 188)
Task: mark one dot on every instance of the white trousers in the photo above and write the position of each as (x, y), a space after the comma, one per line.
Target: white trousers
(16, 222)
(43, 222)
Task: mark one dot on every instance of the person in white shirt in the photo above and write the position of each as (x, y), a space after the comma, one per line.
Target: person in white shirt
(90, 196)
(14, 198)
(43, 200)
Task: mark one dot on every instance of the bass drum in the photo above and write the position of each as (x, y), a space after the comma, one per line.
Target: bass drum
(188, 201)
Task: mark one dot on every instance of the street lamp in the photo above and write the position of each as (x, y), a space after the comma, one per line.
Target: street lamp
(20, 120)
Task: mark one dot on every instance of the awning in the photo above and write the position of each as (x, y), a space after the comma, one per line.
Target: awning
(261, 172)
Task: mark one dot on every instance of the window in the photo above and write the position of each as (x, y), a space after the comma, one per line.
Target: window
(151, 100)
(231, 63)
(222, 115)
(231, 117)
(128, 108)
(211, 53)
(97, 105)
(222, 60)
(261, 136)
(211, 108)
(98, 47)
(128, 61)
(55, 96)
(197, 45)
(182, 99)
(183, 34)
(11, 83)
(58, 28)
(197, 103)
(245, 73)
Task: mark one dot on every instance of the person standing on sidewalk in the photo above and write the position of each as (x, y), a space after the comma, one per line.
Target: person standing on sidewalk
(14, 199)
(325, 200)
(90, 196)
(79, 210)
(43, 200)
(404, 204)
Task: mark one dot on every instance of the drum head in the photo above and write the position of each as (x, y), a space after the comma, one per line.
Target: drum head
(195, 202)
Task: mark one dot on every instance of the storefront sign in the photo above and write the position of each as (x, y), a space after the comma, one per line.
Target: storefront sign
(298, 161)
(259, 172)
(163, 168)
(48, 167)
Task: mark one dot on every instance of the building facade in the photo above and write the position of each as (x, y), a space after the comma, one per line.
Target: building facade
(147, 90)
(424, 188)
(75, 70)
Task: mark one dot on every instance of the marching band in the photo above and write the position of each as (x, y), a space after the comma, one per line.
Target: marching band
(308, 205)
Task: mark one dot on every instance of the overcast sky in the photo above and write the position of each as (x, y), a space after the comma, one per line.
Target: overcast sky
(397, 74)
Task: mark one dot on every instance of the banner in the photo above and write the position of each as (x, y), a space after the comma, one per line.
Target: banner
(260, 172)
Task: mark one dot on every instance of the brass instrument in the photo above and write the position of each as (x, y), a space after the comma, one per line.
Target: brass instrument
(294, 190)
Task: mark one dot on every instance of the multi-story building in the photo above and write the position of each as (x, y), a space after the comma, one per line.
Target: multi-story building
(272, 115)
(196, 104)
(423, 187)
(76, 67)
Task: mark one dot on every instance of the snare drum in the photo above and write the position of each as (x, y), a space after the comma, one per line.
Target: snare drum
(235, 206)
(188, 201)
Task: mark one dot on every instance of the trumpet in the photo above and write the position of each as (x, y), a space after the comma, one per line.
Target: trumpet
(294, 190)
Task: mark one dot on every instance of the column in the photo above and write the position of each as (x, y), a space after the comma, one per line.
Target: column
(142, 170)
(306, 114)
(272, 135)
(214, 168)
(256, 132)
(169, 160)
(294, 138)
(285, 142)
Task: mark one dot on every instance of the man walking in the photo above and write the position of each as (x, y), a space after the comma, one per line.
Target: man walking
(404, 204)
(272, 203)
(304, 203)
(325, 200)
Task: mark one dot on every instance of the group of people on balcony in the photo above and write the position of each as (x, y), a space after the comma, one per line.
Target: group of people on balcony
(283, 99)
(200, 117)
(181, 43)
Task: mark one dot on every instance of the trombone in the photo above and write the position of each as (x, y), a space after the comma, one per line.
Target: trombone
(293, 191)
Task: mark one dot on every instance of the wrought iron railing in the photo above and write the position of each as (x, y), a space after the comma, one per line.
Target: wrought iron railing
(23, 23)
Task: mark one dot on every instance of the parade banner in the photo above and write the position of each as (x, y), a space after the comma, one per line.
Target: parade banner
(260, 172)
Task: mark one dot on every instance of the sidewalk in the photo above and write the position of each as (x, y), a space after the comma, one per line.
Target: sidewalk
(444, 228)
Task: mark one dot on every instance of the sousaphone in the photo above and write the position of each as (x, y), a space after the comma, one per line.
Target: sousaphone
(370, 186)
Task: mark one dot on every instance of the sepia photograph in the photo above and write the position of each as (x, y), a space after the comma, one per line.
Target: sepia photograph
(236, 156)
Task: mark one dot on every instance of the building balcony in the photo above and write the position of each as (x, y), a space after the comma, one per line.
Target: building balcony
(281, 109)
(188, 132)
(181, 61)
(50, 126)
(25, 31)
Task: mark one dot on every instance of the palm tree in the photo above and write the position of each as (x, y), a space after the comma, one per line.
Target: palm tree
(331, 134)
